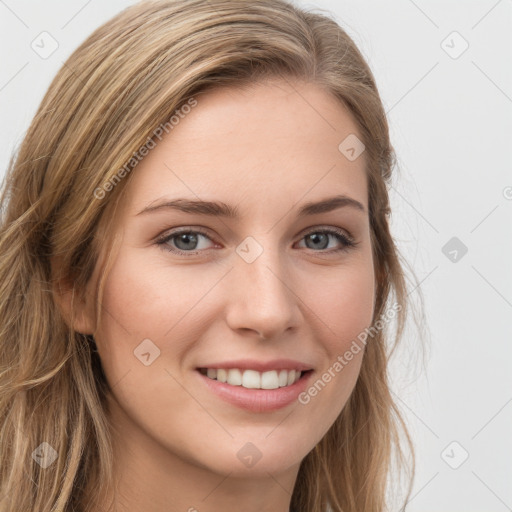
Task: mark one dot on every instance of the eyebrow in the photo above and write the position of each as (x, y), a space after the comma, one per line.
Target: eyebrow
(220, 209)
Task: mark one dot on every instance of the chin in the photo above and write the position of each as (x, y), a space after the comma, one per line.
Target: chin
(256, 453)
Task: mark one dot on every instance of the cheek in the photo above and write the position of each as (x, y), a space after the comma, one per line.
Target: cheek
(345, 303)
(146, 298)
(136, 305)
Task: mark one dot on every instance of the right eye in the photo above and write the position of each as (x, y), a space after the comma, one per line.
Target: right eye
(184, 241)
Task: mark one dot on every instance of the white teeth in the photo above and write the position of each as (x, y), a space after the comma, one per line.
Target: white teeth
(269, 380)
(234, 377)
(253, 379)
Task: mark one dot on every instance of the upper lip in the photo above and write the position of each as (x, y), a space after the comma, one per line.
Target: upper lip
(260, 366)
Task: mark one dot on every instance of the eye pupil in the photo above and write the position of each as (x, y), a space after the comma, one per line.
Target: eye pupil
(186, 237)
(316, 237)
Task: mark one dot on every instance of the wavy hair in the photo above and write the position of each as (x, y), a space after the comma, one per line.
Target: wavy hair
(125, 80)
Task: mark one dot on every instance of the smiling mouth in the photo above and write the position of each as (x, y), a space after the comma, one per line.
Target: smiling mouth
(252, 379)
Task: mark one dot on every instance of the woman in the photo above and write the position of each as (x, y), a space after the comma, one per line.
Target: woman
(198, 273)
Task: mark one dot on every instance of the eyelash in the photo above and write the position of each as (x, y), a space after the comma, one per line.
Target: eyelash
(347, 241)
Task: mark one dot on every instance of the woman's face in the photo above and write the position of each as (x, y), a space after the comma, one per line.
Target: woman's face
(247, 297)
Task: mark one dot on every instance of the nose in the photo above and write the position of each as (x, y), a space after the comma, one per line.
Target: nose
(261, 296)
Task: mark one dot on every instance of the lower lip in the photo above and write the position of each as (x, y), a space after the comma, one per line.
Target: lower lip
(257, 400)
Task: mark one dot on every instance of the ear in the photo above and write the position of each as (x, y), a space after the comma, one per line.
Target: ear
(76, 306)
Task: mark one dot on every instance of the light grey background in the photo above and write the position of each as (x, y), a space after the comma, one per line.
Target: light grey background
(451, 125)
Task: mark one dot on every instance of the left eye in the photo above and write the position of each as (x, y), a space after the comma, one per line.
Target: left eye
(321, 236)
(187, 241)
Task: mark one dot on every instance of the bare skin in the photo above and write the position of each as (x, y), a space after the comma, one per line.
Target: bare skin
(267, 150)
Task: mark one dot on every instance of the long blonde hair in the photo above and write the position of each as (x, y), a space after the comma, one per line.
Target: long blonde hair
(128, 78)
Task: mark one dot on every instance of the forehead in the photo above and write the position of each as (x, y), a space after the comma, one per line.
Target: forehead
(264, 146)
